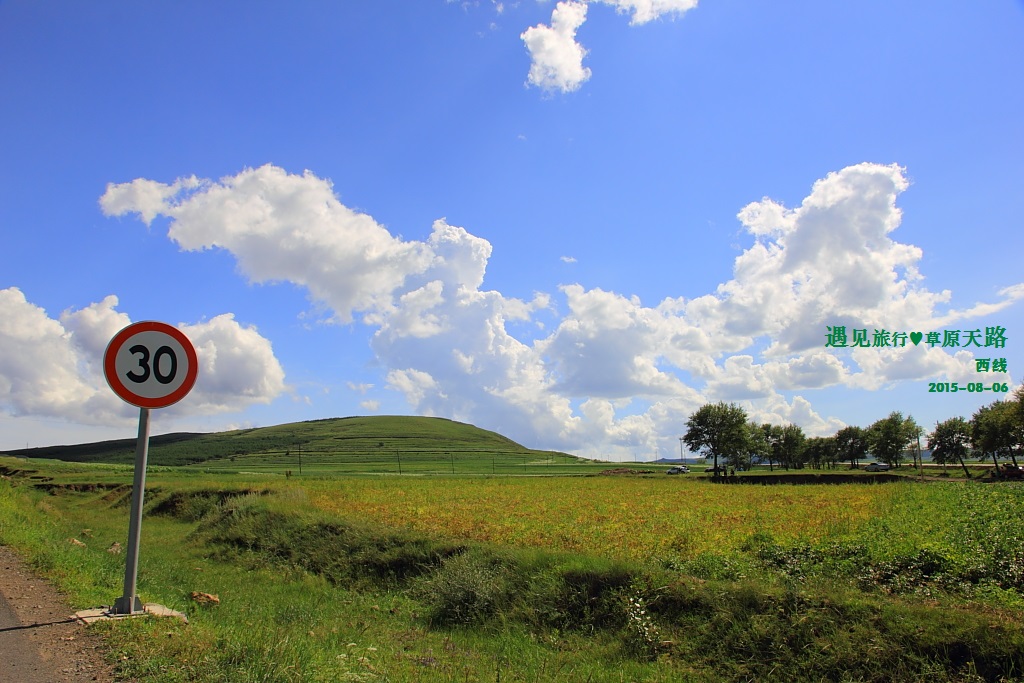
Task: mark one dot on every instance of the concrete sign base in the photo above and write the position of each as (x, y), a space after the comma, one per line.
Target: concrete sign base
(88, 616)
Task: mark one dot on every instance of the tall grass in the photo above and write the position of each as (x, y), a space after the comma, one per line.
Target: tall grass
(622, 517)
(312, 592)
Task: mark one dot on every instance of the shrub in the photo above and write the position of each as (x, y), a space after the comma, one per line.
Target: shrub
(466, 589)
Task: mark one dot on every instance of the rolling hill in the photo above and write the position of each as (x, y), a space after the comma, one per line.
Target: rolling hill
(349, 439)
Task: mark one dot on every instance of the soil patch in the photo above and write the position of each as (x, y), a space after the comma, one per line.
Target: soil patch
(624, 470)
(39, 639)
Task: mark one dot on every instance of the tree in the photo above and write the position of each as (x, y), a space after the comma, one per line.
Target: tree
(718, 431)
(950, 442)
(773, 436)
(1017, 422)
(757, 444)
(889, 437)
(913, 433)
(851, 444)
(995, 431)
(813, 452)
(791, 447)
(820, 451)
(831, 452)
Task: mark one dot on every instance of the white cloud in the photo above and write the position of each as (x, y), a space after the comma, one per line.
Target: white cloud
(778, 411)
(237, 366)
(609, 346)
(831, 261)
(414, 384)
(53, 368)
(740, 378)
(43, 372)
(613, 376)
(281, 227)
(813, 369)
(556, 57)
(146, 197)
(648, 10)
(94, 326)
(360, 388)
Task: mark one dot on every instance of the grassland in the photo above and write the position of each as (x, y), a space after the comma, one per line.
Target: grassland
(498, 578)
(634, 518)
(354, 445)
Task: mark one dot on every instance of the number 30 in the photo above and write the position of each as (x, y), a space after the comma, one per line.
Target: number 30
(140, 377)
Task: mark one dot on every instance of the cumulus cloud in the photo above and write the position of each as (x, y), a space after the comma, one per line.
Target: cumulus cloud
(146, 197)
(798, 411)
(43, 372)
(415, 384)
(615, 375)
(556, 57)
(237, 366)
(53, 367)
(609, 346)
(272, 222)
(830, 261)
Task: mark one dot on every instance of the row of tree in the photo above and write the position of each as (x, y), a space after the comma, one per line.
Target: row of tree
(723, 432)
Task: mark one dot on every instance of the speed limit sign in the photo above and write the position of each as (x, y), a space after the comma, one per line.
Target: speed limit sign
(150, 364)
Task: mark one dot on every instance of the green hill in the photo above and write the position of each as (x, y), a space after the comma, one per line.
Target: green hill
(380, 443)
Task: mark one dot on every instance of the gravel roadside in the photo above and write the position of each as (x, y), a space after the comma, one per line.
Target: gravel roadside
(40, 642)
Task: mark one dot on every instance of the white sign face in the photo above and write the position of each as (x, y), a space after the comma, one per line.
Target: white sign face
(150, 364)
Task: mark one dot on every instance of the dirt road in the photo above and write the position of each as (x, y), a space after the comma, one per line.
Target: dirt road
(39, 641)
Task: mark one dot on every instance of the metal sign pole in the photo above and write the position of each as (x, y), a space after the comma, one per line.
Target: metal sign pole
(129, 603)
(148, 364)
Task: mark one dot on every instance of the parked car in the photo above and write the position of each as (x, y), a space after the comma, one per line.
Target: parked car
(877, 467)
(679, 469)
(1009, 471)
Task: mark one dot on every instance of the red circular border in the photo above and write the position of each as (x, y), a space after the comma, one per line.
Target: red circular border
(126, 394)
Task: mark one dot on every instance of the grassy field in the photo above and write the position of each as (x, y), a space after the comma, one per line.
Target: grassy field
(495, 578)
(636, 518)
(353, 445)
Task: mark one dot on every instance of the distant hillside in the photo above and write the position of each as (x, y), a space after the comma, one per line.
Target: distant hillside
(346, 436)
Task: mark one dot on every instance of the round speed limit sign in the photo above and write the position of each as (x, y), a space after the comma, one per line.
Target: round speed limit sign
(150, 364)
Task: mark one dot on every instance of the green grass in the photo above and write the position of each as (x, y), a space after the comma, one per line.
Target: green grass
(914, 593)
(368, 445)
(397, 445)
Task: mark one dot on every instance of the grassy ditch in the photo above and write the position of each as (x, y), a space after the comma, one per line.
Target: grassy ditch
(761, 627)
(310, 595)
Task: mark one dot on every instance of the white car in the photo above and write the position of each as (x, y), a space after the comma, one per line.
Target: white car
(680, 469)
(877, 467)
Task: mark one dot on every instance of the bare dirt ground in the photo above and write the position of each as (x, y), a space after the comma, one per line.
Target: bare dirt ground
(40, 642)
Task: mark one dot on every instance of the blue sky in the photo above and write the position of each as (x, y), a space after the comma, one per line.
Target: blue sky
(571, 222)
